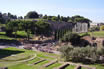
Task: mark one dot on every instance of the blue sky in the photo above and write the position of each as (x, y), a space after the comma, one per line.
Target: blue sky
(92, 9)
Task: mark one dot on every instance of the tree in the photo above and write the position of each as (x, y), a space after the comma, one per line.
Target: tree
(28, 27)
(95, 29)
(40, 15)
(49, 17)
(13, 27)
(102, 28)
(2, 20)
(71, 37)
(32, 14)
(45, 17)
(0, 17)
(11, 16)
(54, 18)
(81, 54)
(43, 28)
(58, 17)
(20, 17)
(64, 19)
(81, 19)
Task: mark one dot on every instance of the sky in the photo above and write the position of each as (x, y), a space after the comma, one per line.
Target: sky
(92, 9)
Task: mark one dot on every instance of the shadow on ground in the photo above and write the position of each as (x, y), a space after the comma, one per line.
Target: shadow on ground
(5, 42)
(5, 53)
(17, 36)
(13, 36)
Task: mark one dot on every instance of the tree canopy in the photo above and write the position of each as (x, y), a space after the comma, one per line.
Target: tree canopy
(43, 27)
(32, 14)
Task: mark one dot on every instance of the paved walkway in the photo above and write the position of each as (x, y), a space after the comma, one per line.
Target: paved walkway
(1, 47)
(6, 46)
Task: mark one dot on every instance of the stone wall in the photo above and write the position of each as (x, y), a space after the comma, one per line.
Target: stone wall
(75, 27)
(80, 27)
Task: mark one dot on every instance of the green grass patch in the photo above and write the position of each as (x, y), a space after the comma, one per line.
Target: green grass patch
(84, 68)
(3, 36)
(94, 34)
(20, 34)
(6, 58)
(23, 54)
(97, 34)
(29, 64)
(34, 60)
(98, 66)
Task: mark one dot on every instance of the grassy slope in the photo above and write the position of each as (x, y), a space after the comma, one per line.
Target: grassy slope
(98, 34)
(24, 65)
(98, 66)
(84, 68)
(95, 34)
(20, 34)
(9, 60)
(23, 34)
(27, 65)
(70, 67)
(3, 36)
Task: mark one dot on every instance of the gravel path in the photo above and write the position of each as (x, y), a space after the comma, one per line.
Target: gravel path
(6, 46)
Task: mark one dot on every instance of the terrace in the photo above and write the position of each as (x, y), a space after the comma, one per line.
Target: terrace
(42, 60)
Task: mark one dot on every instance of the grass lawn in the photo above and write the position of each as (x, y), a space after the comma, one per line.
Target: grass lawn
(20, 34)
(98, 34)
(84, 68)
(95, 34)
(6, 58)
(10, 61)
(3, 36)
(98, 66)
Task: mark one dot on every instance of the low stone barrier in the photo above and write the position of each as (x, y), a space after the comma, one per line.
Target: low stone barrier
(50, 63)
(39, 61)
(63, 66)
(28, 59)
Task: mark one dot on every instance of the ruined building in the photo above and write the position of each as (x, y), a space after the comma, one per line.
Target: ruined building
(74, 27)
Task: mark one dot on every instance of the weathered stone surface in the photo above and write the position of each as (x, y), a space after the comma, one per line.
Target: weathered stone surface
(80, 27)
(39, 61)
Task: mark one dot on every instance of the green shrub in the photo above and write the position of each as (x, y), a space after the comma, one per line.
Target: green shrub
(94, 29)
(71, 37)
(81, 54)
(101, 27)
